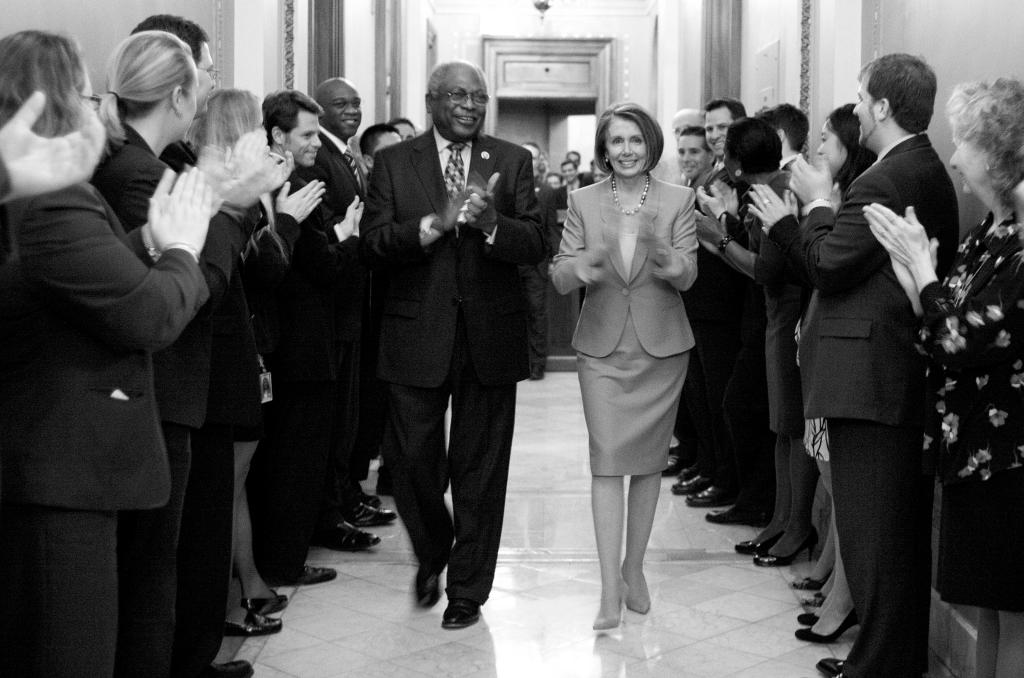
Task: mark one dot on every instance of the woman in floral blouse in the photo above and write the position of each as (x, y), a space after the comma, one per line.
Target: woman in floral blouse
(973, 330)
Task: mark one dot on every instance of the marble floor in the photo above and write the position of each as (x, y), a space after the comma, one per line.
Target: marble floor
(713, 614)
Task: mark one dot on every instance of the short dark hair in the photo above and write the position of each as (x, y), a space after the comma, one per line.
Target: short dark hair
(569, 161)
(845, 124)
(281, 110)
(191, 33)
(908, 83)
(754, 144)
(649, 130)
(401, 121)
(791, 120)
(735, 107)
(368, 139)
(695, 131)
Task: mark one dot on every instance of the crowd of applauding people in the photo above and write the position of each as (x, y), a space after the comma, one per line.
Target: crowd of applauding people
(216, 312)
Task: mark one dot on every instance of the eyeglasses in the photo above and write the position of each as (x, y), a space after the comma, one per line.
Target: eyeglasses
(93, 100)
(461, 97)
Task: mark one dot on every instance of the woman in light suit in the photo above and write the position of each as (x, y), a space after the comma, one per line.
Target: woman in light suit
(631, 241)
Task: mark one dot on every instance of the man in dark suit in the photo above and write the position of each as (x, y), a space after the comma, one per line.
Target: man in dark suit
(454, 326)
(860, 369)
(714, 305)
(290, 465)
(336, 166)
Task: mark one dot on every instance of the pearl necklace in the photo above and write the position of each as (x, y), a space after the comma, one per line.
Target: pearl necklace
(631, 210)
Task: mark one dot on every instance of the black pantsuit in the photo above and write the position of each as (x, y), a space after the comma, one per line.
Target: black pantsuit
(883, 504)
(147, 561)
(204, 551)
(62, 629)
(476, 463)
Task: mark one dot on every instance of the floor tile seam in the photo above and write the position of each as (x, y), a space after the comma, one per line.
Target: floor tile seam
(332, 643)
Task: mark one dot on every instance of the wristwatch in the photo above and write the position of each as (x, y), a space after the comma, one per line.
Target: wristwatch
(724, 242)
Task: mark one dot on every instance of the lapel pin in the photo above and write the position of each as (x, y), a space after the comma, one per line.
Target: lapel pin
(485, 155)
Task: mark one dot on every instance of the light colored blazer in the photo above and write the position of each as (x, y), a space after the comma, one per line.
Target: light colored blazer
(654, 303)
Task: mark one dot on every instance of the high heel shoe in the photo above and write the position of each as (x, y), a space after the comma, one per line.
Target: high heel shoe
(639, 603)
(611, 621)
(768, 560)
(812, 637)
(756, 548)
(807, 619)
(275, 603)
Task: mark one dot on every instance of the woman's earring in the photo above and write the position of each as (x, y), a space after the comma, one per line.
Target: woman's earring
(738, 172)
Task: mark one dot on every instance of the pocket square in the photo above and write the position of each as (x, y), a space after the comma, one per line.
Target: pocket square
(118, 394)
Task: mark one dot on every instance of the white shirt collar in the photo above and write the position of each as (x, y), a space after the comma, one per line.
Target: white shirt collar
(885, 151)
(338, 143)
(788, 159)
(442, 143)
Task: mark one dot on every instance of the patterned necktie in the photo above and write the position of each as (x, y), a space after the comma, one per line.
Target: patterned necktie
(352, 166)
(454, 173)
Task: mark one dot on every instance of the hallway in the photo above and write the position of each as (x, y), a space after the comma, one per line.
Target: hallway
(713, 614)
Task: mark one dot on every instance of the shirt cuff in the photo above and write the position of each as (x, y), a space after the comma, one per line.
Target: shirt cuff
(490, 239)
(820, 202)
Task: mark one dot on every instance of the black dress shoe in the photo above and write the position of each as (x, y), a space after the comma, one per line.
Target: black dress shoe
(692, 486)
(310, 575)
(675, 462)
(536, 372)
(236, 669)
(738, 516)
(711, 497)
(370, 499)
(688, 472)
(345, 537)
(460, 613)
(368, 516)
(831, 667)
(255, 624)
(751, 547)
(812, 637)
(428, 590)
(275, 603)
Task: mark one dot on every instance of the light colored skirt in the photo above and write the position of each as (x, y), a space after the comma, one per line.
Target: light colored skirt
(630, 400)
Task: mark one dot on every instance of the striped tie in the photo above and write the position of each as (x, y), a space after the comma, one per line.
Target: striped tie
(352, 166)
(454, 174)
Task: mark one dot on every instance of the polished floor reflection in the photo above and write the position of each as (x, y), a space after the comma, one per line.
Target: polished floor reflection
(713, 614)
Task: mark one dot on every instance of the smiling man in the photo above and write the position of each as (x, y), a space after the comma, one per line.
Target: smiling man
(450, 214)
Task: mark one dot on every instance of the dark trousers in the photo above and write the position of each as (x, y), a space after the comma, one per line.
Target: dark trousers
(287, 478)
(373, 393)
(716, 347)
(476, 463)
(342, 492)
(147, 564)
(883, 506)
(535, 285)
(59, 570)
(204, 551)
(746, 415)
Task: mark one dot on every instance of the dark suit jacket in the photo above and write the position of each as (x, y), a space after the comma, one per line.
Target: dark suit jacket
(857, 355)
(308, 347)
(428, 288)
(127, 179)
(341, 186)
(79, 315)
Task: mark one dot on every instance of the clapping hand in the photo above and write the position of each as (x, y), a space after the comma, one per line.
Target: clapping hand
(349, 226)
(39, 164)
(769, 208)
(912, 254)
(723, 198)
(181, 215)
(811, 182)
(302, 202)
(479, 204)
(668, 263)
(709, 229)
(246, 171)
(591, 265)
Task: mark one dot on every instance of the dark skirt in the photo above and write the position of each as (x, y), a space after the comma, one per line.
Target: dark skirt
(981, 542)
